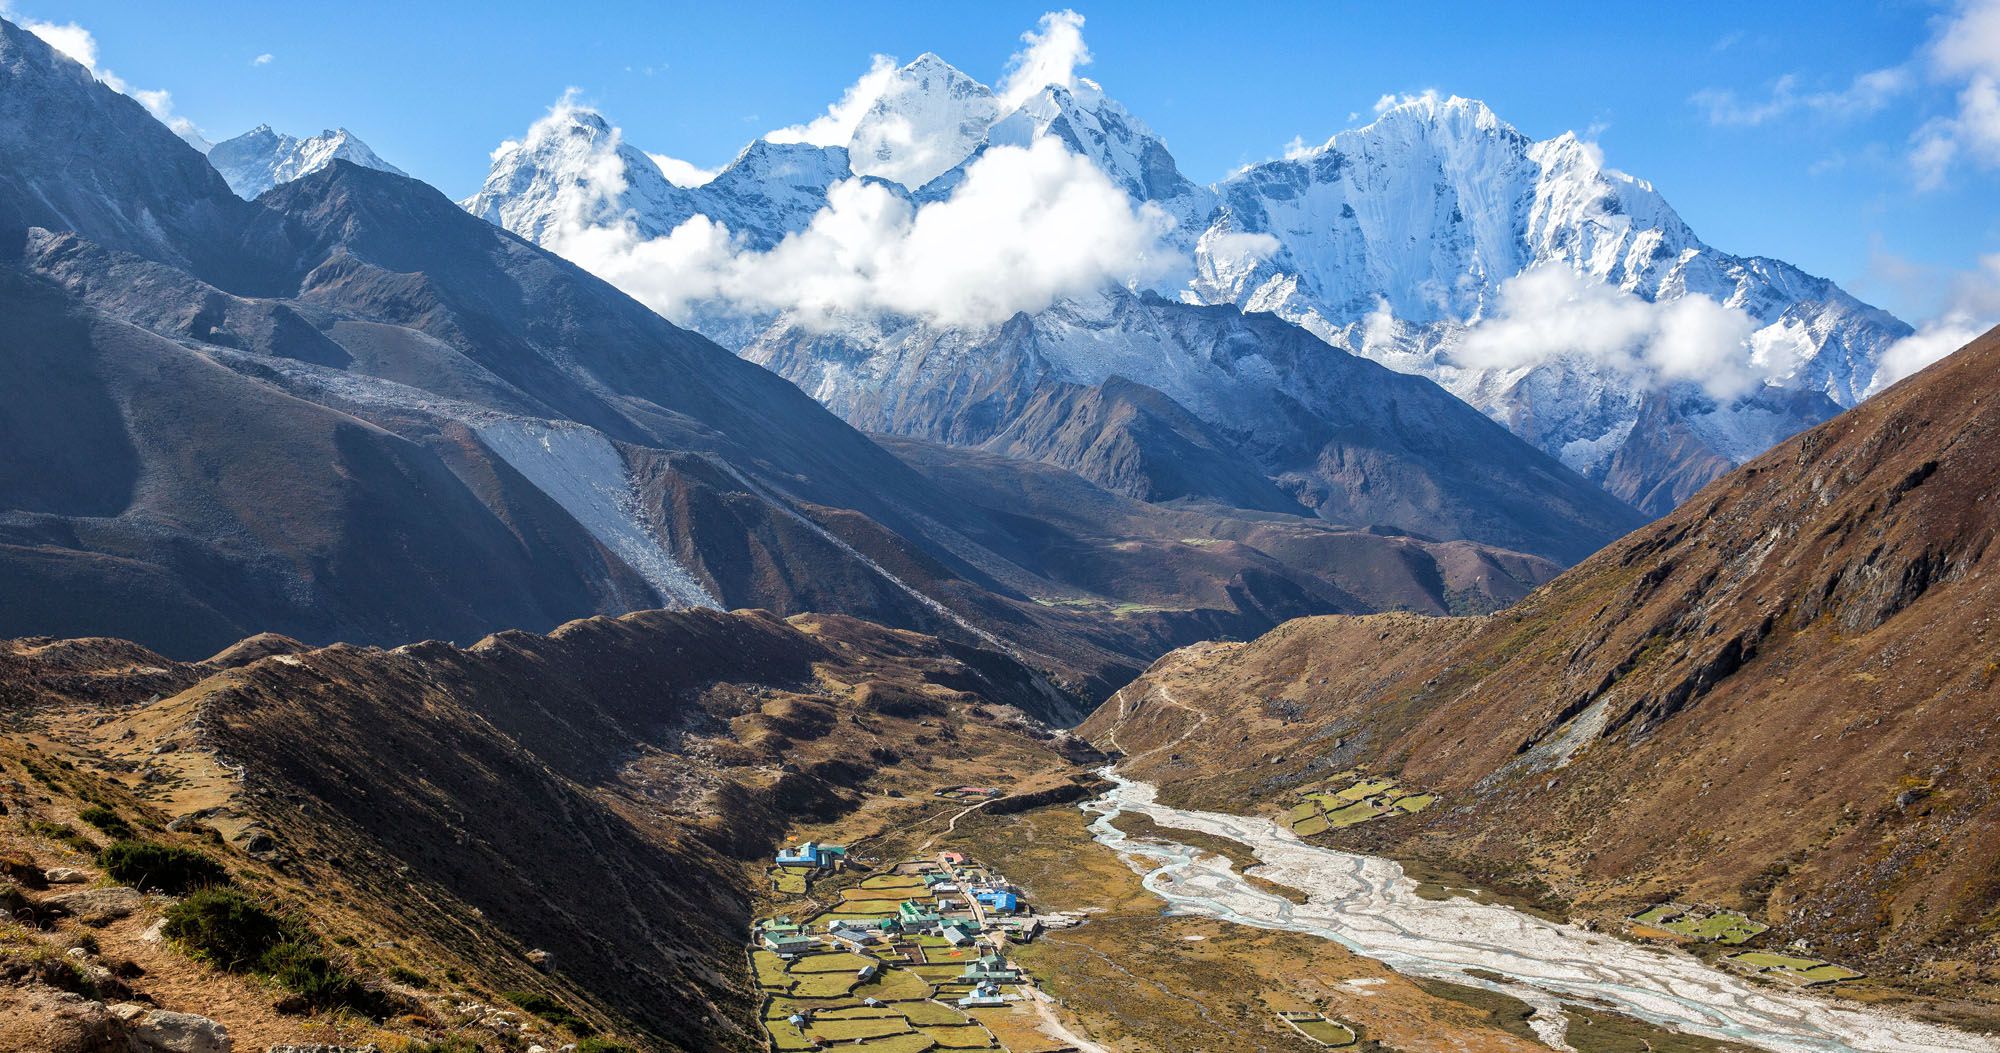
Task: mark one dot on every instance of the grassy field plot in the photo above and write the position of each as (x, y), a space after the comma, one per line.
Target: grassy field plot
(824, 985)
(770, 971)
(913, 1042)
(788, 881)
(1323, 1031)
(927, 1013)
(845, 1029)
(1791, 969)
(894, 985)
(839, 962)
(1349, 799)
(892, 881)
(1719, 926)
(970, 1036)
(784, 1006)
(859, 1012)
(788, 1038)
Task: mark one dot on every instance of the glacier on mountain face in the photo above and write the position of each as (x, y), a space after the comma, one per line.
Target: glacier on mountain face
(261, 158)
(580, 469)
(1391, 241)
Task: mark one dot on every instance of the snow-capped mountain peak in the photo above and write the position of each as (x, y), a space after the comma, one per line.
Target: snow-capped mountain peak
(929, 117)
(262, 158)
(1094, 125)
(1392, 240)
(573, 167)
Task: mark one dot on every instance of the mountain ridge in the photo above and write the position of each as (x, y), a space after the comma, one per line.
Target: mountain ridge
(463, 432)
(1777, 699)
(1285, 237)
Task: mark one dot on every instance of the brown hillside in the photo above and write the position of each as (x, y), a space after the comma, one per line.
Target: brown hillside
(601, 794)
(1782, 697)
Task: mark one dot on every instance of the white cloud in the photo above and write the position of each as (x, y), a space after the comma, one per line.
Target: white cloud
(1933, 341)
(1028, 225)
(69, 38)
(1227, 249)
(1866, 94)
(683, 173)
(1054, 51)
(1969, 40)
(1390, 101)
(1966, 55)
(1550, 312)
(1298, 147)
(77, 42)
(263, 60)
(1971, 306)
(836, 126)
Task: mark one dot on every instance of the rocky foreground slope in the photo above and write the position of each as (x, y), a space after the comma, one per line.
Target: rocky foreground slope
(1781, 698)
(521, 843)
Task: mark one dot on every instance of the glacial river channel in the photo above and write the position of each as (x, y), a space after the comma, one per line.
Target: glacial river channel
(1371, 907)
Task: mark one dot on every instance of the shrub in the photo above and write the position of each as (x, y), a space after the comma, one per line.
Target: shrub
(167, 868)
(550, 1010)
(299, 966)
(232, 931)
(62, 832)
(107, 820)
(224, 927)
(408, 977)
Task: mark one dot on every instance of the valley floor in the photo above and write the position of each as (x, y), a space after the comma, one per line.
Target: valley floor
(1183, 950)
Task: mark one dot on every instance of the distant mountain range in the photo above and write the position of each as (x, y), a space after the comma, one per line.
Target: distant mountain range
(347, 410)
(260, 158)
(1391, 242)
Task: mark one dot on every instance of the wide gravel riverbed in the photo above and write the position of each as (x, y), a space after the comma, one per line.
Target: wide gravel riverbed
(1370, 906)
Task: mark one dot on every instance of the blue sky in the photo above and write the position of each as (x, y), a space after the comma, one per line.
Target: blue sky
(1778, 128)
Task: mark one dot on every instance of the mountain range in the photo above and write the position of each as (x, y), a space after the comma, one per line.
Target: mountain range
(1394, 242)
(461, 602)
(348, 410)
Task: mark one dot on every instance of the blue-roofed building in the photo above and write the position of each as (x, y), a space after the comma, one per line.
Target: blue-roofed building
(1004, 902)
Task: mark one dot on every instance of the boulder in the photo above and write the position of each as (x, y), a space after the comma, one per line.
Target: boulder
(159, 1031)
(97, 906)
(66, 876)
(50, 1021)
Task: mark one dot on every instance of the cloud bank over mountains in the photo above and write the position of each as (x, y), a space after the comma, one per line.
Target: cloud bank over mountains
(1026, 227)
(1550, 312)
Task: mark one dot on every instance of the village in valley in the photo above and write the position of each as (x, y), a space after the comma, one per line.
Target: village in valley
(904, 958)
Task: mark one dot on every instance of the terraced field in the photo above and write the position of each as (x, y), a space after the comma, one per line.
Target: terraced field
(1349, 799)
(1720, 926)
